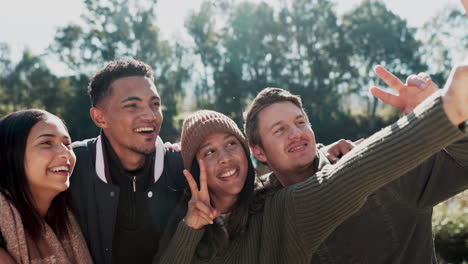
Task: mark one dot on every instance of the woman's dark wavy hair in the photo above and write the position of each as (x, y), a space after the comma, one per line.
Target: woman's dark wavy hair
(14, 131)
(215, 238)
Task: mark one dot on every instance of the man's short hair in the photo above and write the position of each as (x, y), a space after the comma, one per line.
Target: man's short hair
(265, 98)
(100, 84)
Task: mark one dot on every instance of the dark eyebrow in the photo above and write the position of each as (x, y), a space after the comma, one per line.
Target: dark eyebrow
(134, 98)
(52, 135)
(46, 135)
(131, 98)
(207, 144)
(300, 116)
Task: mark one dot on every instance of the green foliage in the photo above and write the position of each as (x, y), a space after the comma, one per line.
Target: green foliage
(30, 84)
(299, 48)
(378, 36)
(238, 49)
(115, 29)
(445, 41)
(450, 229)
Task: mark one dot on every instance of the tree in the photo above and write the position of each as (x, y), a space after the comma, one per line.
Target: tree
(379, 36)
(115, 29)
(299, 47)
(445, 42)
(30, 84)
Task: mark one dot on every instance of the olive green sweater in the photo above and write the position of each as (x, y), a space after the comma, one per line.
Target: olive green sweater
(296, 219)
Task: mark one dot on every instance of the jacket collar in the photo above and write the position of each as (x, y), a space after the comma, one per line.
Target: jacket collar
(102, 166)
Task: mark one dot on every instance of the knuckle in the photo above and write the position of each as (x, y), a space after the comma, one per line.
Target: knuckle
(461, 68)
(423, 74)
(411, 77)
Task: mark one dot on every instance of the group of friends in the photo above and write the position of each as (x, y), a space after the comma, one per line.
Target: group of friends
(126, 197)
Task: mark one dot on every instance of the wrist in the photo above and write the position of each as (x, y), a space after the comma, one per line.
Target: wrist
(452, 109)
(189, 224)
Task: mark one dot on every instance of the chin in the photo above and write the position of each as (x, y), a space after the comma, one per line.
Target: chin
(301, 164)
(143, 151)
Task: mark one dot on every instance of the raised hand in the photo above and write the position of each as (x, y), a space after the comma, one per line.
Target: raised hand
(455, 94)
(409, 94)
(200, 212)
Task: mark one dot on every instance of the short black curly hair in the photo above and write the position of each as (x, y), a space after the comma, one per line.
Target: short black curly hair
(100, 84)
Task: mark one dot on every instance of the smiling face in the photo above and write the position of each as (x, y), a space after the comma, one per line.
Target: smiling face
(49, 159)
(226, 164)
(288, 142)
(130, 116)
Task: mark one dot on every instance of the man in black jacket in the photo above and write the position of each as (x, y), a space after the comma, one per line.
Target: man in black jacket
(125, 183)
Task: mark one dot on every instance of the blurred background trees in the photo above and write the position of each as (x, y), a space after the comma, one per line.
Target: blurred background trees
(239, 48)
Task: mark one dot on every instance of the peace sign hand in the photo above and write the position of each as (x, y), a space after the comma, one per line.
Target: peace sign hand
(200, 212)
(409, 95)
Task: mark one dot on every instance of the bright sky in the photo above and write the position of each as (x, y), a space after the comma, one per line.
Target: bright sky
(32, 24)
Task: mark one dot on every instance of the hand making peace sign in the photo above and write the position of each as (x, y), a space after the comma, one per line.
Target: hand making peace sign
(409, 95)
(200, 212)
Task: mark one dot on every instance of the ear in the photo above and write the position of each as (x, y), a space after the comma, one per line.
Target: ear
(97, 115)
(259, 153)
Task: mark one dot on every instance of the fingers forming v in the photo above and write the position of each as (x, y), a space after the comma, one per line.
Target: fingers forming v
(387, 98)
(192, 184)
(388, 77)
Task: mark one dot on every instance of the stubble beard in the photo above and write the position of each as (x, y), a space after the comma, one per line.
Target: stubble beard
(141, 151)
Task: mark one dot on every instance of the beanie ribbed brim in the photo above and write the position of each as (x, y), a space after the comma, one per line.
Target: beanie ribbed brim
(201, 124)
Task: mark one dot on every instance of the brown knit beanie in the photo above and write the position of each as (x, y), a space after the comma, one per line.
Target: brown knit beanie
(201, 124)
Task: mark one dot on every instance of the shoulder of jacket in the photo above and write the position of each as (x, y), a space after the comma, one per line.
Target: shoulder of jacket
(84, 145)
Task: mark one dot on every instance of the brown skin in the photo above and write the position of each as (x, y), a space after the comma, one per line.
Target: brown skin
(133, 105)
(200, 212)
(5, 258)
(49, 161)
(223, 171)
(226, 168)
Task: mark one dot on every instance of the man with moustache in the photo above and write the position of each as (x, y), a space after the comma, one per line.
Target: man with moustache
(394, 225)
(124, 186)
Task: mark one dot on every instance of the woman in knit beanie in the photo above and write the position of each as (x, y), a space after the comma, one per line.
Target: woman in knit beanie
(216, 139)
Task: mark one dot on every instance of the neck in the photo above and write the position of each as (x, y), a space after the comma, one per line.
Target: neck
(223, 203)
(42, 202)
(129, 159)
(298, 175)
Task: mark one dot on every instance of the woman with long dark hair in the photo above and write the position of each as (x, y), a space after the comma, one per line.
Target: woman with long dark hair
(36, 161)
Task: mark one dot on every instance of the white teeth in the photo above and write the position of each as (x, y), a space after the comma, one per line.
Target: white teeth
(228, 173)
(144, 129)
(296, 148)
(61, 168)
